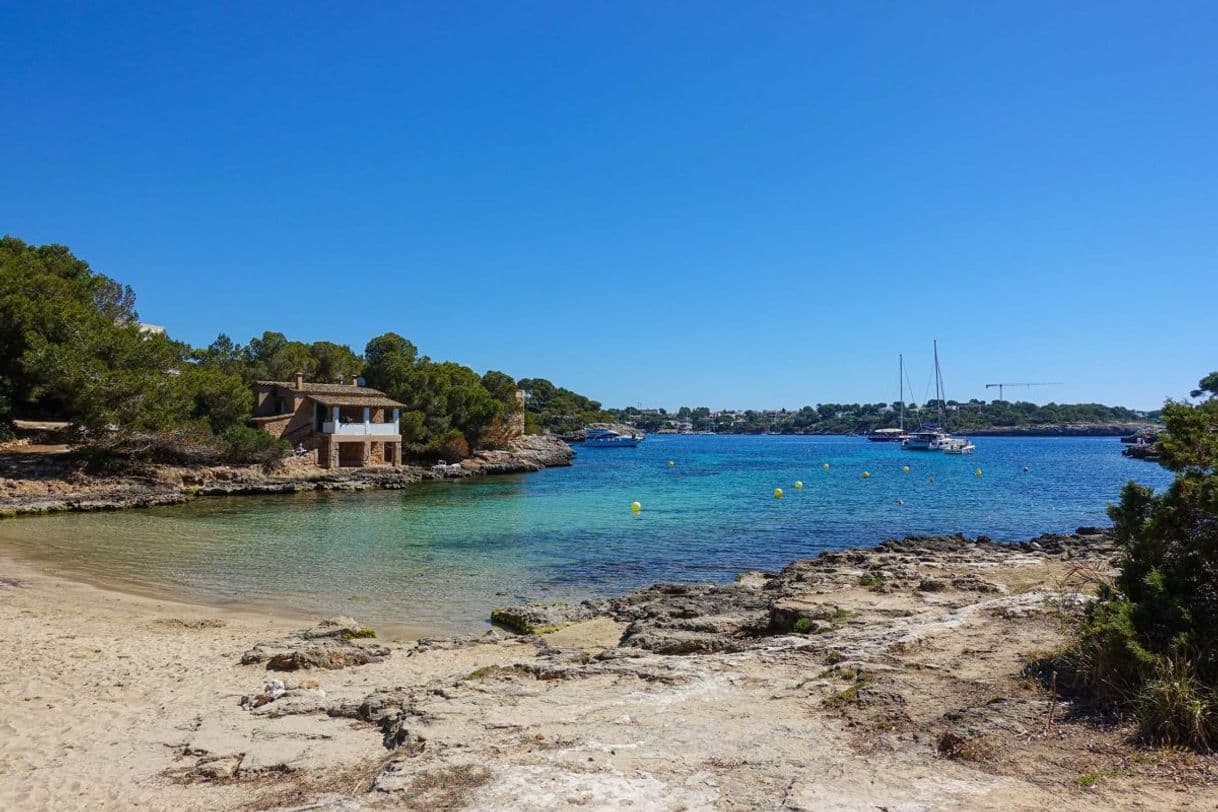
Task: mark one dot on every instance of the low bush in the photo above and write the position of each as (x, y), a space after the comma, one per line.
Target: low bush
(246, 444)
(120, 452)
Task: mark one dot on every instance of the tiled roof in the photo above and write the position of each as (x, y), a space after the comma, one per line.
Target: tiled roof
(336, 394)
(343, 400)
(323, 388)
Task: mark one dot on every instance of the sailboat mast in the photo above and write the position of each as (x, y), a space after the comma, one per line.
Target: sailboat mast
(938, 383)
(901, 383)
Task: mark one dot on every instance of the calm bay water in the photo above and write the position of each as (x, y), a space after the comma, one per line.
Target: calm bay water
(441, 555)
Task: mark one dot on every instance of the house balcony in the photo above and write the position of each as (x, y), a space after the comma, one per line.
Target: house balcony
(368, 429)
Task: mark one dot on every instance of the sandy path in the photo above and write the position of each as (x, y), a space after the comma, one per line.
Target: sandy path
(93, 685)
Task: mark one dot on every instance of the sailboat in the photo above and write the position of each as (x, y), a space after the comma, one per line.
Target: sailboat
(896, 435)
(936, 438)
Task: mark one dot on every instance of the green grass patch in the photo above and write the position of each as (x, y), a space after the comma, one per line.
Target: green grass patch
(840, 615)
(1090, 779)
(841, 699)
(362, 632)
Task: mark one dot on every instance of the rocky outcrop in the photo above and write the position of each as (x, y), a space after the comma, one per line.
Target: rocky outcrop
(334, 643)
(543, 618)
(692, 618)
(702, 618)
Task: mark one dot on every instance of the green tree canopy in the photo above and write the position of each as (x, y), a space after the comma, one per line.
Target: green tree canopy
(1151, 641)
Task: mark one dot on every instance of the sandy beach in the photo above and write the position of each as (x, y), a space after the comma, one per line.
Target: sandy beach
(910, 690)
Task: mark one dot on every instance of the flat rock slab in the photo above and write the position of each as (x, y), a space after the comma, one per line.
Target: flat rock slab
(335, 643)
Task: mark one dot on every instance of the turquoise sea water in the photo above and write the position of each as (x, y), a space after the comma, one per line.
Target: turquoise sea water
(441, 555)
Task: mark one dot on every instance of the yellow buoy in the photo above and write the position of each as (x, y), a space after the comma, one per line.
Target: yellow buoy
(799, 485)
(778, 493)
(671, 463)
(825, 466)
(635, 507)
(866, 475)
(905, 469)
(977, 472)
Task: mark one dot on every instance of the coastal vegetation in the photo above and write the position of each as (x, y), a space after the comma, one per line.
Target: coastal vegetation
(1149, 644)
(860, 418)
(72, 348)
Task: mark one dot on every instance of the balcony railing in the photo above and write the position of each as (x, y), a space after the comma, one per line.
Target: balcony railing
(360, 429)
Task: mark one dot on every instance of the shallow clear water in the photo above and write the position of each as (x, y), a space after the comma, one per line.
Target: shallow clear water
(441, 555)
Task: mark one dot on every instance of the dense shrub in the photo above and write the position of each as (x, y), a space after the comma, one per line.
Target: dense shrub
(251, 445)
(1149, 644)
(119, 452)
(450, 447)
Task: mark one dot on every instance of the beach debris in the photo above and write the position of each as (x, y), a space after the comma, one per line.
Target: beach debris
(210, 769)
(335, 643)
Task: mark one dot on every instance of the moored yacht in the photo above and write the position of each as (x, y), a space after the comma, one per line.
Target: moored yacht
(956, 445)
(931, 440)
(608, 438)
(935, 438)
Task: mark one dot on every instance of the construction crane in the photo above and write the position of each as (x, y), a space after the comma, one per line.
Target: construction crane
(1001, 385)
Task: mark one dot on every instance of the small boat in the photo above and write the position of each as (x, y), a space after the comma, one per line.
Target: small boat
(957, 445)
(608, 438)
(932, 440)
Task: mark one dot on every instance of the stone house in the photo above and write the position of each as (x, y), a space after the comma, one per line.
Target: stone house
(340, 425)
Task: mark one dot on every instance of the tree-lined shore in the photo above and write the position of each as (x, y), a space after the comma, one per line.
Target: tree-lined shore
(72, 348)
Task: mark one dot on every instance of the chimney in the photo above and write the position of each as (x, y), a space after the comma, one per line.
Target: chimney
(299, 381)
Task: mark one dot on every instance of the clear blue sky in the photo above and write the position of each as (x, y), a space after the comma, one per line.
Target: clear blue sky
(739, 204)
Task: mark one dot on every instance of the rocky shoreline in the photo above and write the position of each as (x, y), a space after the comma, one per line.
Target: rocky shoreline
(32, 485)
(701, 618)
(911, 675)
